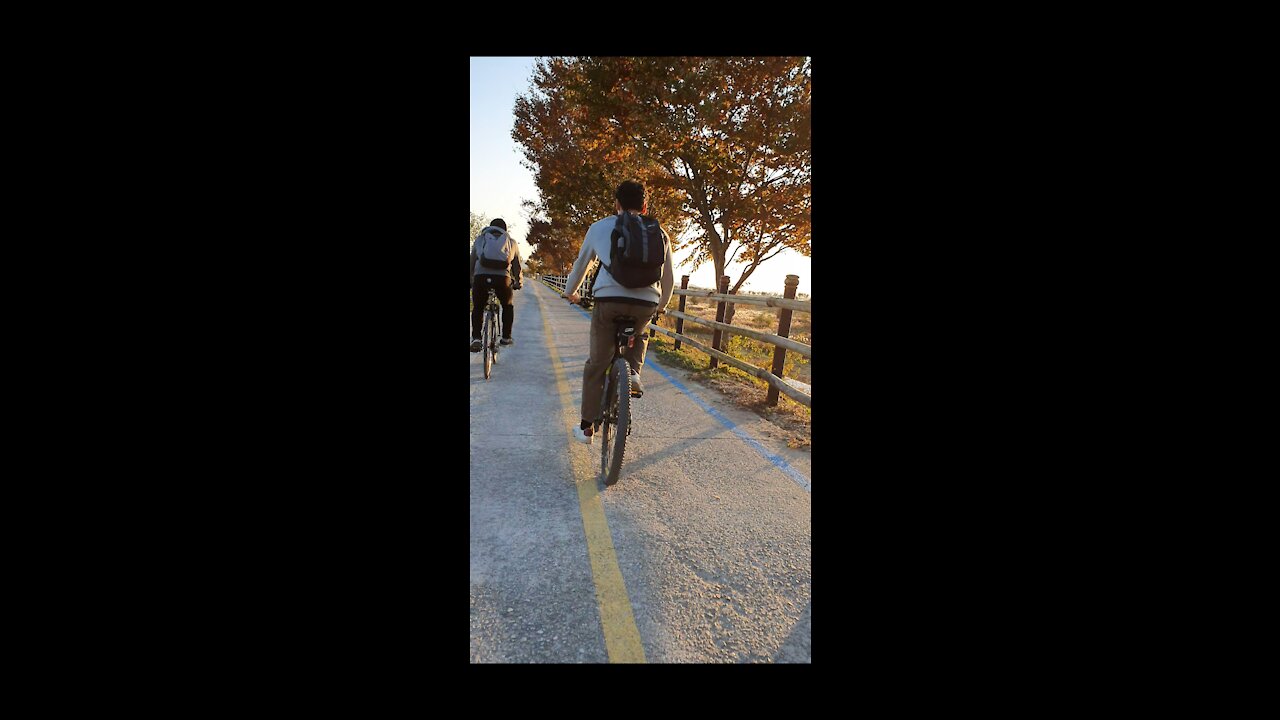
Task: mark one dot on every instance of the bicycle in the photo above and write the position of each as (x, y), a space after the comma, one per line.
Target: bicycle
(491, 328)
(615, 406)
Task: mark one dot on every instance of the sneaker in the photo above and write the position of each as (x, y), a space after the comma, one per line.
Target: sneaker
(475, 344)
(636, 388)
(505, 341)
(582, 436)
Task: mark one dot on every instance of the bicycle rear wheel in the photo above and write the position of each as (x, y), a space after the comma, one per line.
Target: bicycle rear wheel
(488, 343)
(617, 404)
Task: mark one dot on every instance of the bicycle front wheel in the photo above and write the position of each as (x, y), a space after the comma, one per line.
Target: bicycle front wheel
(488, 343)
(618, 414)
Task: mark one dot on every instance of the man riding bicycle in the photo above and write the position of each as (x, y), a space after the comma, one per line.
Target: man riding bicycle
(495, 265)
(614, 298)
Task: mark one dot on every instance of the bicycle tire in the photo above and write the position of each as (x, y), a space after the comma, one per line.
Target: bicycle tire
(488, 344)
(606, 422)
(617, 414)
(497, 328)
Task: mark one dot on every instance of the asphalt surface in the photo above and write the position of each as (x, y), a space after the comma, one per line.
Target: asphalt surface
(710, 526)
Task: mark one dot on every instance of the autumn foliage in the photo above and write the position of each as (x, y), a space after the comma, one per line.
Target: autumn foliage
(722, 145)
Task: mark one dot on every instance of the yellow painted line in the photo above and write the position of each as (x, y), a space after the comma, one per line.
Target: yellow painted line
(621, 637)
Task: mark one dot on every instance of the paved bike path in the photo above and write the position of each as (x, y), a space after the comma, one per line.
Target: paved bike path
(710, 531)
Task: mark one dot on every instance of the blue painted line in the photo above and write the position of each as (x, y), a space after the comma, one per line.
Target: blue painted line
(777, 460)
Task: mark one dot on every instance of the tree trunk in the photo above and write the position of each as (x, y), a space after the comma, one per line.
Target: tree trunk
(731, 310)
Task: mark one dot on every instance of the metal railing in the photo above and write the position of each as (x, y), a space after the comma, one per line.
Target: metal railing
(557, 283)
(554, 281)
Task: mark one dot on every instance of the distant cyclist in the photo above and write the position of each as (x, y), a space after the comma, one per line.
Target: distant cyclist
(635, 278)
(495, 264)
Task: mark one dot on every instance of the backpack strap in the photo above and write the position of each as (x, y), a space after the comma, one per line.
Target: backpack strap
(644, 240)
(619, 227)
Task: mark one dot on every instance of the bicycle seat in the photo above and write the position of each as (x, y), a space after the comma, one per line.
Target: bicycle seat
(626, 325)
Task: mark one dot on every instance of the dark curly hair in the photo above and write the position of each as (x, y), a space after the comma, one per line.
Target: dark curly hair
(630, 195)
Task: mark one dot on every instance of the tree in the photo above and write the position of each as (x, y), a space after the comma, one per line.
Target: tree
(555, 249)
(478, 223)
(534, 265)
(726, 138)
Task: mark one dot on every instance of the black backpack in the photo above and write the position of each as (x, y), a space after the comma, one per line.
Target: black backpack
(636, 251)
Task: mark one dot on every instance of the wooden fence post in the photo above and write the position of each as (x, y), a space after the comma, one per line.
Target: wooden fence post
(784, 330)
(684, 285)
(715, 337)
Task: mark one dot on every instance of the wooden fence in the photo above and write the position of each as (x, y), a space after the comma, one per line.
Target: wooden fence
(786, 305)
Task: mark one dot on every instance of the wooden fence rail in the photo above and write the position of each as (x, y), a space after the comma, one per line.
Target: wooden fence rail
(761, 300)
(770, 338)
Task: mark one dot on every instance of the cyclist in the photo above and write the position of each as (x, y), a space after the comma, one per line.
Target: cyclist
(495, 264)
(611, 300)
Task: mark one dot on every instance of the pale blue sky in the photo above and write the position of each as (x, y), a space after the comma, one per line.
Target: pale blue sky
(499, 182)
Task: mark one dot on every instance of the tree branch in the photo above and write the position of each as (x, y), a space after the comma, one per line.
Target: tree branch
(774, 253)
(731, 258)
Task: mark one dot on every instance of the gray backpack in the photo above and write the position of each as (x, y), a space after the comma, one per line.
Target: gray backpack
(494, 248)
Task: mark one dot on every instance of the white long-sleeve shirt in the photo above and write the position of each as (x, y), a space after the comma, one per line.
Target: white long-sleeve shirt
(596, 245)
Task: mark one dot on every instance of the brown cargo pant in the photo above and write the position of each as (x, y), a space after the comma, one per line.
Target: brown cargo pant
(601, 353)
